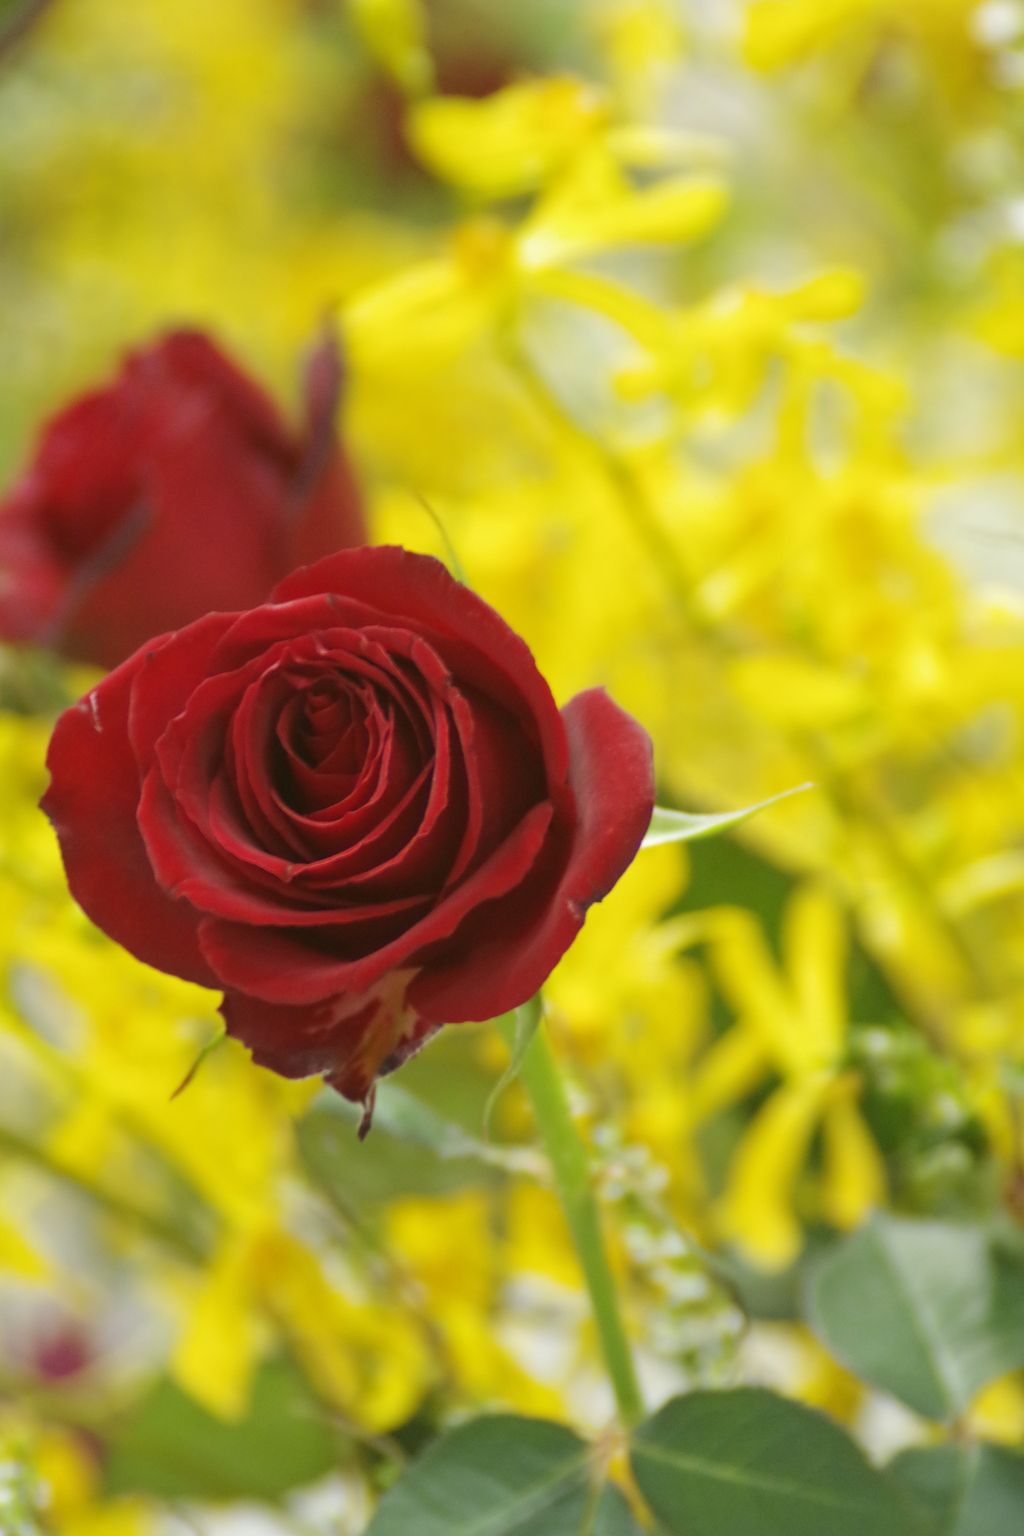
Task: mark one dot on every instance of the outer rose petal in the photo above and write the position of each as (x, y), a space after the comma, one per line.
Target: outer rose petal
(92, 799)
(351, 1038)
(612, 775)
(168, 671)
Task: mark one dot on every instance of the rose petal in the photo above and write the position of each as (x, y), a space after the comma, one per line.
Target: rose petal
(507, 950)
(474, 641)
(280, 968)
(216, 868)
(170, 669)
(352, 1037)
(275, 828)
(92, 800)
(187, 869)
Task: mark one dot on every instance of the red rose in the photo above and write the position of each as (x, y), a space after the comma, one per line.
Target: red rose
(176, 491)
(356, 809)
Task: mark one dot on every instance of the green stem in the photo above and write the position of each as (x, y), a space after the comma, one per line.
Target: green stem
(571, 1168)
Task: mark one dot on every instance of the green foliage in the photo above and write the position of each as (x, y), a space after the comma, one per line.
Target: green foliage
(682, 827)
(496, 1476)
(771, 1295)
(172, 1448)
(916, 1106)
(748, 1463)
(724, 866)
(20, 1495)
(411, 1150)
(32, 681)
(19, 14)
(926, 1310)
(454, 1076)
(614, 1516)
(731, 1463)
(967, 1490)
(518, 1030)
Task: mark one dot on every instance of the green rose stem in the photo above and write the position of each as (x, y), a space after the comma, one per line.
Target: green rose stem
(571, 1168)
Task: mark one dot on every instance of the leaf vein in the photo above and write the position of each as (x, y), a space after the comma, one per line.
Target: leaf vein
(723, 1472)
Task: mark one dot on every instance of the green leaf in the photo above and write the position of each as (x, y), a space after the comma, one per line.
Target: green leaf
(614, 1516)
(411, 1150)
(402, 1115)
(967, 1490)
(496, 1476)
(172, 1448)
(455, 1076)
(207, 1050)
(682, 827)
(748, 1463)
(924, 1310)
(457, 568)
(518, 1030)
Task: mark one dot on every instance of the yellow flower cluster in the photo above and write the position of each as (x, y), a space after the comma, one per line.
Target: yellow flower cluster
(783, 623)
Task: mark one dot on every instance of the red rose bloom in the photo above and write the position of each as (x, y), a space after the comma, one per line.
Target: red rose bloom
(356, 809)
(176, 491)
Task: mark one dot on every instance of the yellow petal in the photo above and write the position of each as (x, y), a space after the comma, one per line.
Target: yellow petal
(215, 1356)
(997, 1412)
(369, 1359)
(507, 143)
(395, 32)
(677, 208)
(85, 1141)
(780, 32)
(537, 1238)
(116, 1517)
(417, 320)
(734, 1065)
(646, 147)
(1001, 874)
(830, 296)
(794, 691)
(756, 1210)
(853, 1178)
(635, 34)
(484, 1369)
(71, 1474)
(642, 319)
(749, 979)
(814, 945)
(17, 1256)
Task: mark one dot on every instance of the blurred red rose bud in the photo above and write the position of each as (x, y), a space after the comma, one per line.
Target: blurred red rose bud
(64, 1351)
(177, 491)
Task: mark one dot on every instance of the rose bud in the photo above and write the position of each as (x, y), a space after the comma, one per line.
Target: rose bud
(175, 491)
(357, 809)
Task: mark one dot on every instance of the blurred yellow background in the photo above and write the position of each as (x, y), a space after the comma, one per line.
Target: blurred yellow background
(699, 327)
